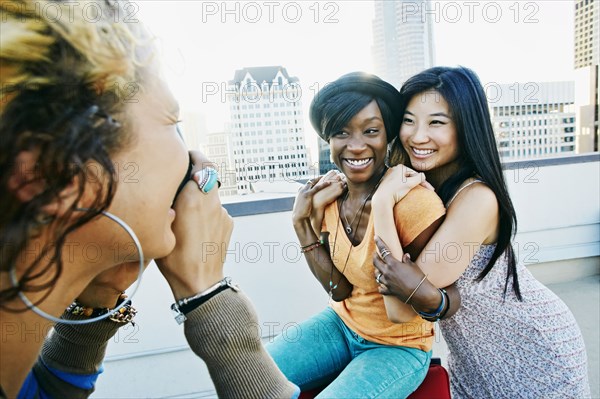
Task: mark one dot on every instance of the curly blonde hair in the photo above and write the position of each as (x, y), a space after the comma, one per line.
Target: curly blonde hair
(64, 80)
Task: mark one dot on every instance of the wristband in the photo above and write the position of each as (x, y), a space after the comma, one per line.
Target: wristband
(440, 312)
(183, 306)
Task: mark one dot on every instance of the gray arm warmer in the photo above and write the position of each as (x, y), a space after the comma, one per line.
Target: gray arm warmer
(223, 332)
(77, 349)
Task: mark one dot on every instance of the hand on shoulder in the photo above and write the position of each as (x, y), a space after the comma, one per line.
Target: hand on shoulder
(202, 229)
(396, 183)
(334, 183)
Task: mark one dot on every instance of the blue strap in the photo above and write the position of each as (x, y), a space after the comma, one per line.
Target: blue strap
(31, 387)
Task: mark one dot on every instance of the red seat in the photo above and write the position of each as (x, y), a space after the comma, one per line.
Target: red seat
(435, 386)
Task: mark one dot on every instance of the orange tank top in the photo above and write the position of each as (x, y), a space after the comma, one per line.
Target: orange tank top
(364, 310)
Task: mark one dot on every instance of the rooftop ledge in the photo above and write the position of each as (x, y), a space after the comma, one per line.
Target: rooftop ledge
(557, 203)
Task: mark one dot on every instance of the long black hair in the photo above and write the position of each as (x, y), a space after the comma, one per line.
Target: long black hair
(463, 92)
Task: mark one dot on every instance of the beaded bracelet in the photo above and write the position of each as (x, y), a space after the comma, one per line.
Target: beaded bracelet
(123, 314)
(310, 247)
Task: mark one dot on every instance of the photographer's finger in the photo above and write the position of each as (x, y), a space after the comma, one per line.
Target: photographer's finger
(201, 161)
(207, 180)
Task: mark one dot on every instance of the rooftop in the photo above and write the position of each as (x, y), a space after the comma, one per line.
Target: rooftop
(557, 202)
(262, 74)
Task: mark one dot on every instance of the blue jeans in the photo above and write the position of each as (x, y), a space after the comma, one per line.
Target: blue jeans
(325, 351)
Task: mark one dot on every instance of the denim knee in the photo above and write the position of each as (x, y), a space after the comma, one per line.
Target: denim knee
(316, 354)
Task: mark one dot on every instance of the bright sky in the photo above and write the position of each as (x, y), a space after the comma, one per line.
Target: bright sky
(204, 42)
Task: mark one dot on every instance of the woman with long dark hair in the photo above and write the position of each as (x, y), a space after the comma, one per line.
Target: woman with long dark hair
(512, 337)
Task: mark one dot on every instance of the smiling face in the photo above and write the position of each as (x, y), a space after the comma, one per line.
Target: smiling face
(150, 169)
(428, 133)
(360, 148)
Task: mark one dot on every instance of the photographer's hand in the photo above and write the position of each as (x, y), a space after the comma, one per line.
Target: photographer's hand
(203, 229)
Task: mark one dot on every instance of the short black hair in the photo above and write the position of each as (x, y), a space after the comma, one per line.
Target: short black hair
(337, 103)
(337, 112)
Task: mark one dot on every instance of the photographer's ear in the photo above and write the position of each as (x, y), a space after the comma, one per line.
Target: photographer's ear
(25, 182)
(65, 200)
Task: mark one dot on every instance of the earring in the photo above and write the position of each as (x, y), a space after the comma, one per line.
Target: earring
(109, 313)
(388, 153)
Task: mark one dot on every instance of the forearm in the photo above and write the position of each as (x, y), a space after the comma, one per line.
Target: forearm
(385, 226)
(435, 303)
(455, 301)
(222, 332)
(316, 220)
(396, 310)
(320, 263)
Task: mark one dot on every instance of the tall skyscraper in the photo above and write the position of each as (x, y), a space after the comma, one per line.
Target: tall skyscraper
(267, 128)
(587, 25)
(402, 39)
(587, 95)
(533, 120)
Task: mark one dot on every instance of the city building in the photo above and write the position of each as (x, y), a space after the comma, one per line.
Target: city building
(267, 127)
(587, 26)
(218, 150)
(325, 164)
(534, 119)
(402, 39)
(586, 58)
